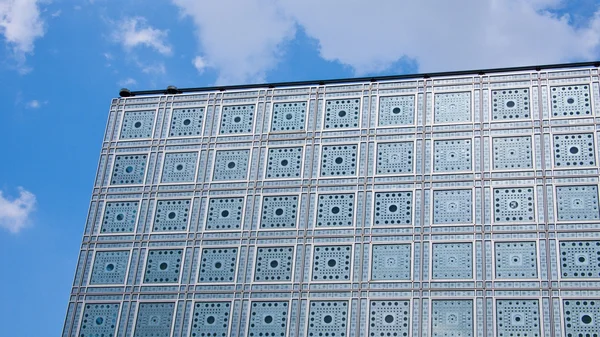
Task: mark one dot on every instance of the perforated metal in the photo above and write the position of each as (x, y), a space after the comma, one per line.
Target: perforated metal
(342, 113)
(218, 265)
(577, 203)
(289, 116)
(110, 267)
(179, 167)
(268, 319)
(163, 266)
(187, 122)
(237, 119)
(395, 158)
(119, 217)
(129, 169)
(581, 317)
(99, 319)
(328, 318)
(513, 204)
(452, 155)
(154, 320)
(508, 104)
(211, 319)
(518, 318)
(574, 150)
(452, 318)
(171, 215)
(331, 263)
(580, 259)
(516, 260)
(224, 213)
(339, 160)
(452, 107)
(452, 206)
(512, 153)
(284, 163)
(274, 264)
(391, 262)
(452, 260)
(396, 110)
(137, 124)
(571, 100)
(389, 318)
(279, 212)
(393, 208)
(231, 165)
(335, 210)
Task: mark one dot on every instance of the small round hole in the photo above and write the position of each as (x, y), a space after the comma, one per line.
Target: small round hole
(570, 100)
(396, 110)
(224, 213)
(120, 217)
(268, 319)
(574, 149)
(279, 211)
(335, 210)
(110, 267)
(231, 165)
(179, 167)
(586, 319)
(237, 119)
(163, 266)
(331, 263)
(342, 113)
(187, 122)
(389, 319)
(339, 160)
(99, 320)
(393, 208)
(581, 259)
(137, 124)
(172, 215)
(129, 169)
(327, 319)
(289, 116)
(210, 320)
(510, 104)
(284, 162)
(218, 265)
(513, 204)
(274, 264)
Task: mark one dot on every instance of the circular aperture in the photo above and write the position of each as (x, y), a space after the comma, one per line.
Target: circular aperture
(327, 319)
(510, 104)
(396, 110)
(268, 319)
(237, 119)
(218, 265)
(284, 162)
(452, 107)
(179, 167)
(289, 116)
(452, 260)
(573, 150)
(586, 319)
(570, 100)
(393, 208)
(279, 211)
(231, 165)
(581, 259)
(274, 264)
(163, 266)
(389, 319)
(342, 113)
(452, 318)
(224, 213)
(335, 210)
(99, 320)
(210, 319)
(331, 263)
(339, 160)
(452, 206)
(172, 215)
(187, 122)
(129, 169)
(513, 204)
(138, 124)
(110, 267)
(517, 318)
(120, 217)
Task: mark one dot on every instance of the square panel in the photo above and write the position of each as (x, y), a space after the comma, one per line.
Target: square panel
(339, 160)
(518, 318)
(512, 153)
(274, 264)
(453, 206)
(391, 262)
(231, 165)
(389, 318)
(509, 104)
(396, 110)
(452, 318)
(163, 266)
(452, 261)
(328, 318)
(171, 215)
(237, 119)
(513, 204)
(289, 116)
(119, 217)
(452, 155)
(137, 124)
(342, 113)
(582, 317)
(580, 259)
(218, 265)
(284, 162)
(335, 210)
(99, 319)
(331, 263)
(395, 158)
(110, 267)
(577, 203)
(179, 167)
(571, 100)
(187, 122)
(279, 212)
(129, 169)
(452, 107)
(393, 208)
(516, 260)
(211, 319)
(268, 319)
(154, 320)
(224, 213)
(574, 150)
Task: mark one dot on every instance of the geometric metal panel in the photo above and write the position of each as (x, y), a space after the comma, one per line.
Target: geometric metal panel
(513, 204)
(452, 260)
(452, 318)
(218, 265)
(518, 318)
(154, 320)
(211, 319)
(453, 107)
(512, 153)
(580, 259)
(179, 167)
(231, 165)
(328, 318)
(452, 155)
(577, 203)
(341, 113)
(237, 119)
(510, 104)
(137, 124)
(453, 206)
(571, 100)
(331, 263)
(335, 210)
(284, 162)
(396, 110)
(338, 160)
(574, 150)
(279, 211)
(224, 213)
(395, 158)
(273, 264)
(129, 169)
(186, 122)
(119, 217)
(268, 319)
(288, 116)
(110, 267)
(582, 317)
(516, 260)
(171, 215)
(99, 319)
(163, 266)
(389, 318)
(390, 262)
(393, 208)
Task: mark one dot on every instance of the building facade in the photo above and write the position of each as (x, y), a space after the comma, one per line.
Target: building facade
(454, 204)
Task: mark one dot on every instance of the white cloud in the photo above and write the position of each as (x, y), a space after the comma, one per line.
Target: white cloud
(154, 68)
(199, 63)
(56, 13)
(128, 81)
(34, 104)
(134, 32)
(20, 25)
(14, 214)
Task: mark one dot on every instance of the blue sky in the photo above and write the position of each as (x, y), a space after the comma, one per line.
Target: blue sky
(61, 62)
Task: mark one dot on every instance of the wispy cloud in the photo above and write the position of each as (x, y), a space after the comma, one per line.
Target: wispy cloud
(199, 63)
(21, 25)
(15, 213)
(127, 82)
(134, 32)
(33, 104)
(56, 14)
(154, 68)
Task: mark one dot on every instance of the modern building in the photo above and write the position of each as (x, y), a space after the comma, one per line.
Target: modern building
(450, 204)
